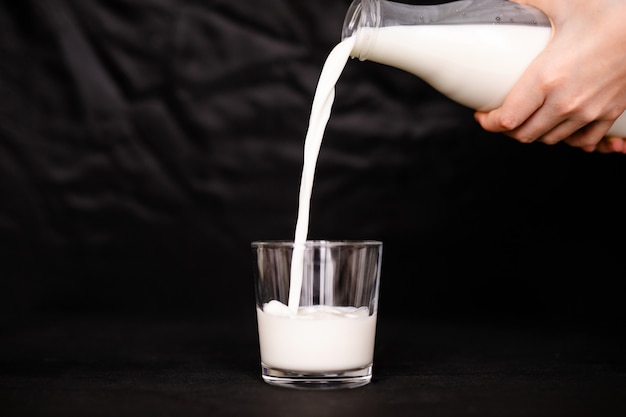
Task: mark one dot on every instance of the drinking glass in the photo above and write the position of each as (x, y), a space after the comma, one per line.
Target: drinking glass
(317, 305)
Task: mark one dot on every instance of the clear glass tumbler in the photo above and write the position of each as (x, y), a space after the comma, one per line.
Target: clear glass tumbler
(316, 309)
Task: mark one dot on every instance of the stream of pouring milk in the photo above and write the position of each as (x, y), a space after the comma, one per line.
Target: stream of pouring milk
(320, 113)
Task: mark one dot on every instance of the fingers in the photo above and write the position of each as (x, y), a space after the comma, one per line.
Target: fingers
(608, 145)
(542, 126)
(589, 135)
(516, 111)
(545, 127)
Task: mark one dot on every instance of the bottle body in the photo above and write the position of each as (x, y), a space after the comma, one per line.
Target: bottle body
(475, 65)
(472, 51)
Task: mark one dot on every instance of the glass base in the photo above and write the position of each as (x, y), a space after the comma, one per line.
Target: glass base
(351, 378)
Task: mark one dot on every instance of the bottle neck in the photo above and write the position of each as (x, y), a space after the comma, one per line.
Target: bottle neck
(362, 14)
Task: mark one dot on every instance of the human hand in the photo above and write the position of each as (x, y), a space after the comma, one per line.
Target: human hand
(576, 88)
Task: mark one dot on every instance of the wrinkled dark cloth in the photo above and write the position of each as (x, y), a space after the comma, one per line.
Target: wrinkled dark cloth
(144, 145)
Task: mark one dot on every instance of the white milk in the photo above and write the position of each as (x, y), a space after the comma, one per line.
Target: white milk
(318, 339)
(320, 113)
(474, 65)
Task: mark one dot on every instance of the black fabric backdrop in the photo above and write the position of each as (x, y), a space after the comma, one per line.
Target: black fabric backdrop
(145, 144)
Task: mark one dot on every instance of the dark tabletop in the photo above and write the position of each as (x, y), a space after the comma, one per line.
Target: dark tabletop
(132, 366)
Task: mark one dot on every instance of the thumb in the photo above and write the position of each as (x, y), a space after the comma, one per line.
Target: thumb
(497, 121)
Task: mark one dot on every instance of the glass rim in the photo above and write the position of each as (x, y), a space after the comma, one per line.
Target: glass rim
(315, 243)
